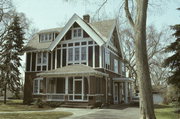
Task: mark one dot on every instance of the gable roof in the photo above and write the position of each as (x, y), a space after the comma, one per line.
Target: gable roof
(98, 31)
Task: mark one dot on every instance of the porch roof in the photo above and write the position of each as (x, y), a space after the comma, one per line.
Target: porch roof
(123, 80)
(72, 70)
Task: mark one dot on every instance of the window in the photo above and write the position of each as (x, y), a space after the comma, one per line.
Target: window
(41, 61)
(107, 57)
(44, 57)
(38, 86)
(45, 37)
(115, 65)
(76, 54)
(39, 58)
(70, 54)
(83, 53)
(77, 33)
(123, 67)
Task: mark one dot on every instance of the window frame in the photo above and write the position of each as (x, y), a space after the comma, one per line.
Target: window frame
(77, 33)
(38, 85)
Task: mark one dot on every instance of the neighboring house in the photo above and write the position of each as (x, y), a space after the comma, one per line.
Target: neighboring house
(80, 62)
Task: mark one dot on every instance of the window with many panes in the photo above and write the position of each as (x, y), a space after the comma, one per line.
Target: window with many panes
(38, 86)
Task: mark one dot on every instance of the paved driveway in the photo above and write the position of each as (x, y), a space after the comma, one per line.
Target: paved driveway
(113, 113)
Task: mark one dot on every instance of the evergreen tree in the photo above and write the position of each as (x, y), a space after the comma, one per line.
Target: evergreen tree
(174, 61)
(12, 49)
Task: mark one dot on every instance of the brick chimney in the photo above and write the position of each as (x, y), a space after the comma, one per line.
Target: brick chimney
(86, 18)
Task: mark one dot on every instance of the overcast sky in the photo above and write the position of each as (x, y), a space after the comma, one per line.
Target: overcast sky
(55, 13)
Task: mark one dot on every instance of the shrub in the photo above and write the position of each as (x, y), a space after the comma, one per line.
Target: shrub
(40, 103)
(54, 104)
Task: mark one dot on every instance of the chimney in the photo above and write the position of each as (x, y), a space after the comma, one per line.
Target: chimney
(86, 18)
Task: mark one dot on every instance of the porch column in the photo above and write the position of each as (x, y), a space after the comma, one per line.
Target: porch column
(66, 85)
(126, 92)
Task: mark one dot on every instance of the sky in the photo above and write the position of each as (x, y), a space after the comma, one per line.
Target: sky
(46, 14)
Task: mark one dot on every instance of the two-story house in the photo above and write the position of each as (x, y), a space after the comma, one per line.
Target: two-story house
(80, 62)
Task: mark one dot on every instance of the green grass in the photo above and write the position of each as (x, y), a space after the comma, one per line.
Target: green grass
(17, 105)
(166, 112)
(35, 115)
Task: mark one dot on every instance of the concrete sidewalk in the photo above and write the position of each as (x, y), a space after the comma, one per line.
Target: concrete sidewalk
(126, 113)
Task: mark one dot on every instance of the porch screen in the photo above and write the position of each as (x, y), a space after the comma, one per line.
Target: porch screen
(60, 85)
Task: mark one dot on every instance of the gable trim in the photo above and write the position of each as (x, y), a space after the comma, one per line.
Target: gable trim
(83, 25)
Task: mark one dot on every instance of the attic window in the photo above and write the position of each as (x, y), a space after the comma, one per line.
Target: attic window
(44, 37)
(77, 32)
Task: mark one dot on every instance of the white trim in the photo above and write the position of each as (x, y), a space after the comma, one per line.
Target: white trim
(31, 63)
(55, 58)
(83, 25)
(38, 80)
(66, 85)
(51, 60)
(61, 56)
(93, 55)
(100, 56)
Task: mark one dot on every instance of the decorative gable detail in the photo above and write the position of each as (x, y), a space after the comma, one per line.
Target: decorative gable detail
(83, 25)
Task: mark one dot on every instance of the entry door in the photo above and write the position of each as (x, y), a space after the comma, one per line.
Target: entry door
(78, 90)
(116, 97)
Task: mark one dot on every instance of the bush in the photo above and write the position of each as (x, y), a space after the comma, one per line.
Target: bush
(40, 103)
(98, 104)
(54, 104)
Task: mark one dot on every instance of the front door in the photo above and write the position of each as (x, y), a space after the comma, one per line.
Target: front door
(78, 90)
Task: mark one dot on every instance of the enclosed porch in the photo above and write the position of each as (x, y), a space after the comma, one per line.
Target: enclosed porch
(77, 83)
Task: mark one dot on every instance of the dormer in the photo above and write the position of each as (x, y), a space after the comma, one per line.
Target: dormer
(47, 36)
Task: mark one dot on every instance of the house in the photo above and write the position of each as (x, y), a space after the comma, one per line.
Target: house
(80, 62)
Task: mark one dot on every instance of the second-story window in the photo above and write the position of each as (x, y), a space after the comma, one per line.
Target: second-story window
(70, 54)
(107, 59)
(115, 65)
(83, 53)
(41, 61)
(77, 33)
(76, 54)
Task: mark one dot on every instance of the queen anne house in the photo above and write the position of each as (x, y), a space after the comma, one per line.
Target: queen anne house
(80, 62)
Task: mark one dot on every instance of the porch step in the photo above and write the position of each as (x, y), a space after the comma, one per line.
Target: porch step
(76, 105)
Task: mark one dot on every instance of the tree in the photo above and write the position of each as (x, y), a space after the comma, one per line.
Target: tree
(174, 61)
(139, 32)
(12, 49)
(156, 43)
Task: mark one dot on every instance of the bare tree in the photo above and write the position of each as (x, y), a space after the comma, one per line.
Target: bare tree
(139, 33)
(156, 42)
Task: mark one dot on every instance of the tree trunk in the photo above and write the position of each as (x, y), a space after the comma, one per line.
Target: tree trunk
(5, 93)
(146, 100)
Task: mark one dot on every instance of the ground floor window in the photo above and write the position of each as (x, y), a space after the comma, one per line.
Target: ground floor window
(38, 86)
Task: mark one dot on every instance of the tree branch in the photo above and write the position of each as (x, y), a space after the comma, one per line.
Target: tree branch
(128, 14)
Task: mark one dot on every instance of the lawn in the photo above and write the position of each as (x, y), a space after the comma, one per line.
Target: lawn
(35, 115)
(166, 112)
(17, 105)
